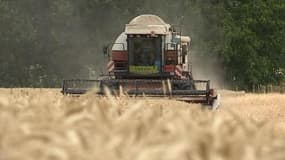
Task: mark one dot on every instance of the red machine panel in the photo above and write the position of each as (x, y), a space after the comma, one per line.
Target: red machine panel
(169, 68)
(119, 55)
(170, 57)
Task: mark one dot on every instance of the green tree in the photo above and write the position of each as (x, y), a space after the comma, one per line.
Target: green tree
(43, 42)
(254, 41)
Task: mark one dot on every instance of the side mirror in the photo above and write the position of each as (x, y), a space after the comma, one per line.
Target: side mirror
(105, 50)
(184, 50)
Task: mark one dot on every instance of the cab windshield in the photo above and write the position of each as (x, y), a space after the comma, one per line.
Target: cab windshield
(144, 51)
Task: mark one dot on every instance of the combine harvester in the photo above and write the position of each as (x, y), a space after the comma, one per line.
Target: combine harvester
(150, 58)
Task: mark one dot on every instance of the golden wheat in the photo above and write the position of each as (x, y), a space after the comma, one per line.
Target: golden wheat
(42, 124)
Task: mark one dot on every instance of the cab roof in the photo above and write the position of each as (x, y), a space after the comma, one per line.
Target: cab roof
(147, 24)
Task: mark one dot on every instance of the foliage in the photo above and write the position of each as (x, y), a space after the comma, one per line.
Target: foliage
(254, 48)
(43, 42)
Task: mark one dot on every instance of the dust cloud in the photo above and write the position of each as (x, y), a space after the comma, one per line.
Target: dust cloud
(209, 68)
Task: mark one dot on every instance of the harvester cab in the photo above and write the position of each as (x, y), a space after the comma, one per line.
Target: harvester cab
(150, 58)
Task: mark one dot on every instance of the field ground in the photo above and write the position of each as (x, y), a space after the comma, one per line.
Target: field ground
(43, 124)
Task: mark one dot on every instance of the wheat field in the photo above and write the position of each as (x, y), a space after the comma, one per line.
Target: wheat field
(41, 124)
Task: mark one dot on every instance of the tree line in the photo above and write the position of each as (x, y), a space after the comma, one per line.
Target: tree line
(43, 42)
